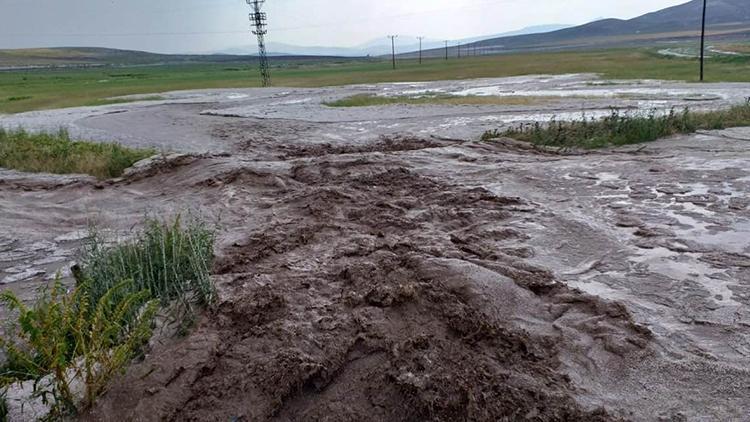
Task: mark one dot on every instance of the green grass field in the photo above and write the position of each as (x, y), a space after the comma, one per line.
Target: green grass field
(43, 89)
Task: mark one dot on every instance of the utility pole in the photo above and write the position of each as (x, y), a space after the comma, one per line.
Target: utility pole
(459, 50)
(393, 49)
(420, 49)
(446, 50)
(703, 40)
(258, 22)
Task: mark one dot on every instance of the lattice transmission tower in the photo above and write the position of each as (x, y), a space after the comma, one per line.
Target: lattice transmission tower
(258, 22)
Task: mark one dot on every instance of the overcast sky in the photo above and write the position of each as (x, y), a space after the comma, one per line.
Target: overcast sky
(173, 26)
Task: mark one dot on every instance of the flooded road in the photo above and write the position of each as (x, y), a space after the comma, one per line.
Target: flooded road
(391, 241)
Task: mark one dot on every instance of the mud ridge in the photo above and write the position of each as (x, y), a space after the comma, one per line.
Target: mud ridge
(376, 298)
(383, 144)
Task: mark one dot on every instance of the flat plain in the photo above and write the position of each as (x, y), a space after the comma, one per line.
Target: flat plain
(68, 87)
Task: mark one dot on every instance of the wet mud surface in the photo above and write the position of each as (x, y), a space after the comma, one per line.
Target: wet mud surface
(404, 276)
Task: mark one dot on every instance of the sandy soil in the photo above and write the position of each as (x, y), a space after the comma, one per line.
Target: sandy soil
(372, 270)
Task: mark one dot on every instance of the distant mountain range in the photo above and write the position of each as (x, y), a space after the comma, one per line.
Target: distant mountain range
(728, 19)
(379, 47)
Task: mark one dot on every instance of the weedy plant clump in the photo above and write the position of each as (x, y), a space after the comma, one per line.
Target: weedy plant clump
(170, 260)
(72, 342)
(623, 128)
(57, 153)
(66, 345)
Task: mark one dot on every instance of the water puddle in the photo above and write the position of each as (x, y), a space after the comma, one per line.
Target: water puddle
(731, 236)
(686, 266)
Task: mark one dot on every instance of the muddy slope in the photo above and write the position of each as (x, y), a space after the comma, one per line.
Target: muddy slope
(375, 293)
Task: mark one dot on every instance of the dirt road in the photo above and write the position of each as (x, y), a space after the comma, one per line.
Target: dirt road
(376, 265)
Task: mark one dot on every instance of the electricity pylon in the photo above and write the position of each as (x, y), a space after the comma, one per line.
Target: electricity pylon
(258, 22)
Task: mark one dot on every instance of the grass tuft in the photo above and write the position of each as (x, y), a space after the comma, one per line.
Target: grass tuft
(171, 260)
(58, 153)
(623, 128)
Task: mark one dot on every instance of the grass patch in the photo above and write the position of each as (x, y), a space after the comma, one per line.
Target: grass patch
(25, 97)
(58, 153)
(365, 100)
(72, 343)
(737, 48)
(623, 129)
(109, 101)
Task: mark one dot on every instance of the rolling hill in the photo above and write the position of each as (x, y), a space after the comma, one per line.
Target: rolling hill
(727, 19)
(94, 57)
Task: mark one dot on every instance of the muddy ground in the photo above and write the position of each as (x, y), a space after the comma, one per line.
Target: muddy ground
(375, 265)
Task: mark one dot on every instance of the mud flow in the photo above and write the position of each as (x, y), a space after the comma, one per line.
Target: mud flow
(374, 267)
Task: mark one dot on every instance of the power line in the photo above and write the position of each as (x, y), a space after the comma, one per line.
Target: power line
(258, 21)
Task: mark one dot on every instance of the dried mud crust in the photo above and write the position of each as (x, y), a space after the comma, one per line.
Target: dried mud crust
(378, 294)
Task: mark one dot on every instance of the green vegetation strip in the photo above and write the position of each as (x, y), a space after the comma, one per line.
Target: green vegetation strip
(365, 100)
(623, 129)
(79, 339)
(58, 153)
(108, 101)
